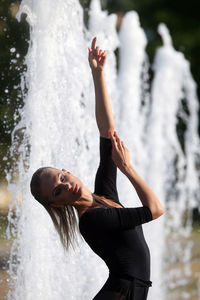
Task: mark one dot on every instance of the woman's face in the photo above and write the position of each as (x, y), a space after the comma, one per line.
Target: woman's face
(61, 187)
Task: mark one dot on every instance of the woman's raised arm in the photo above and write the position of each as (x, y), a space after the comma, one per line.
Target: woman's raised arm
(103, 110)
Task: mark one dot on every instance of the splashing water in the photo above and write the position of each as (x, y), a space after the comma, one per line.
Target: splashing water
(58, 125)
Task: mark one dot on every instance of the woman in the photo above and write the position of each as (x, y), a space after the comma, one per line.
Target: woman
(111, 230)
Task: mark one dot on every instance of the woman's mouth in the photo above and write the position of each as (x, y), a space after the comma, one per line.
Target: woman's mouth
(75, 189)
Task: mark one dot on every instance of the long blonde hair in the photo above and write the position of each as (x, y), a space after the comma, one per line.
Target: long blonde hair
(65, 219)
(66, 224)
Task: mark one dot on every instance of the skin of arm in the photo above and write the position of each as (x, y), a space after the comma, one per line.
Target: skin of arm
(103, 110)
(121, 157)
(146, 195)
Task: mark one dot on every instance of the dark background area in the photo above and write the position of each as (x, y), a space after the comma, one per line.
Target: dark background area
(181, 18)
(14, 41)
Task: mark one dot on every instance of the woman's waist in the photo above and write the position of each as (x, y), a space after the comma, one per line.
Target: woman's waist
(129, 270)
(132, 279)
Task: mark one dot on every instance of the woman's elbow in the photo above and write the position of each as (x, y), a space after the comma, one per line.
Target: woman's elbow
(158, 213)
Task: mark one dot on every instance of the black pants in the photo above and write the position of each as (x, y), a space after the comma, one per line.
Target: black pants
(117, 288)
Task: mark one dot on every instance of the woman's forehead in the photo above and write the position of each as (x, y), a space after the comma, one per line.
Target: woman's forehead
(49, 180)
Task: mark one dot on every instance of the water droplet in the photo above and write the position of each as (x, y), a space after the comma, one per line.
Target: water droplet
(12, 50)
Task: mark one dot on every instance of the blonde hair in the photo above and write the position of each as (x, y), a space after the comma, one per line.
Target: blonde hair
(65, 218)
(66, 224)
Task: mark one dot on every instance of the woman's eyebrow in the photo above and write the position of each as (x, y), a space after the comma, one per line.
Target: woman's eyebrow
(56, 186)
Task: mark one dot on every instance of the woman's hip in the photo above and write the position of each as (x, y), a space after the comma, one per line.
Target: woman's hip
(124, 288)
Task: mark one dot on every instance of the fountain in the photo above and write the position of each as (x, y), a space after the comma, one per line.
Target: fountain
(59, 129)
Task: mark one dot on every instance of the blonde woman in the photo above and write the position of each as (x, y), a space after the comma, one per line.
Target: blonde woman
(112, 231)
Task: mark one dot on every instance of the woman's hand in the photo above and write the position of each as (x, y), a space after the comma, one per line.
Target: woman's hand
(120, 154)
(96, 57)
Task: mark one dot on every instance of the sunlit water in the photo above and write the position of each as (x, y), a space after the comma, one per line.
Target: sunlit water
(59, 127)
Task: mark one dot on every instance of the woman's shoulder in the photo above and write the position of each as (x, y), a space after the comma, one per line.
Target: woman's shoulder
(103, 203)
(98, 215)
(106, 201)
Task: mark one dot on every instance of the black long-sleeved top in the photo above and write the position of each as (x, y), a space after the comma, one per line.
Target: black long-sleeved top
(116, 234)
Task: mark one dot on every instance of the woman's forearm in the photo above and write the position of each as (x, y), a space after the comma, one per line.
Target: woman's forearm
(146, 195)
(103, 109)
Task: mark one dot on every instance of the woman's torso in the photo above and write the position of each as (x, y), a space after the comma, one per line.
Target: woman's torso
(124, 251)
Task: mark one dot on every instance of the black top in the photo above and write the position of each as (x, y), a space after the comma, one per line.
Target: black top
(115, 234)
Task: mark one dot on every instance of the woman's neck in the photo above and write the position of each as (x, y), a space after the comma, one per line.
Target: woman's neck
(85, 201)
(89, 200)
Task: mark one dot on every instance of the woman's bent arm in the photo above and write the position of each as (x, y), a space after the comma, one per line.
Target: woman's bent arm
(121, 157)
(146, 195)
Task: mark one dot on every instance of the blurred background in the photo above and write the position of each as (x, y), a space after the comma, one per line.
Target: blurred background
(182, 19)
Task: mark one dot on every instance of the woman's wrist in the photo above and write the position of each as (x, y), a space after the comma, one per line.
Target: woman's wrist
(97, 72)
(128, 170)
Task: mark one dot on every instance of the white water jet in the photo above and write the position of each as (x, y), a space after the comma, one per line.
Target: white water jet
(58, 121)
(169, 169)
(103, 26)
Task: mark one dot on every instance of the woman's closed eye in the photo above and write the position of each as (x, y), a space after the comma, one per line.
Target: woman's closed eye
(58, 190)
(62, 178)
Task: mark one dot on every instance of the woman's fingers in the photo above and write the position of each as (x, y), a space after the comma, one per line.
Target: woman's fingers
(90, 51)
(113, 139)
(96, 56)
(120, 153)
(118, 141)
(93, 45)
(123, 145)
(117, 137)
(97, 50)
(103, 58)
